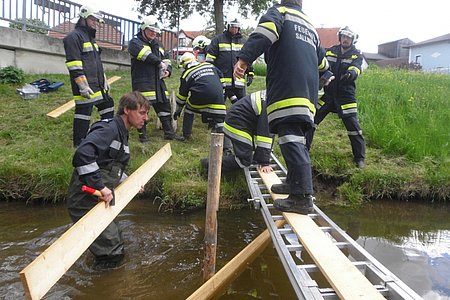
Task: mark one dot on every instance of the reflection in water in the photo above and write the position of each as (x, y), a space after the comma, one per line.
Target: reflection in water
(164, 252)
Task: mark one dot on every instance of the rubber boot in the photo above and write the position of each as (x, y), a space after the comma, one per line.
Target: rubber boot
(280, 188)
(169, 133)
(188, 123)
(301, 204)
(143, 137)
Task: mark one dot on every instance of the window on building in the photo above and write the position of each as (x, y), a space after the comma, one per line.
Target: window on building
(418, 59)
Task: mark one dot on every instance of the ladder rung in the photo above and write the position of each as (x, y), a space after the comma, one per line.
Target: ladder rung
(277, 217)
(285, 230)
(294, 248)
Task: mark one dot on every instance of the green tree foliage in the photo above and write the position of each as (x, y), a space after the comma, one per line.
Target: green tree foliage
(173, 10)
(33, 25)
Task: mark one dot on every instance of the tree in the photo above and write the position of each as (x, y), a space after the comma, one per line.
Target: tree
(171, 10)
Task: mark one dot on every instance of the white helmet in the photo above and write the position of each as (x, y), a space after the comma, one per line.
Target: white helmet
(151, 23)
(201, 42)
(186, 59)
(86, 11)
(234, 23)
(347, 32)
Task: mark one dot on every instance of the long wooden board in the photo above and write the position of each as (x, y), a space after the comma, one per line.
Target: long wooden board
(347, 281)
(41, 274)
(71, 104)
(233, 268)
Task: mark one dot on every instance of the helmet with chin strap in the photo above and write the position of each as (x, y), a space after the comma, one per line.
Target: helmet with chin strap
(186, 59)
(233, 23)
(201, 42)
(87, 11)
(348, 32)
(151, 23)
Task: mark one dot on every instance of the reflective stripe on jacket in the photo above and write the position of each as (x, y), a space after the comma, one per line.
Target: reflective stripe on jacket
(105, 145)
(246, 121)
(83, 58)
(294, 57)
(146, 57)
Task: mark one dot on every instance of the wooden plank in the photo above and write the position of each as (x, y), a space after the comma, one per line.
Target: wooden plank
(71, 104)
(41, 274)
(234, 267)
(347, 281)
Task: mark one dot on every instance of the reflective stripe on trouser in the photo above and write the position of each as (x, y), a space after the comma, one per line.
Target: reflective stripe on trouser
(82, 118)
(356, 138)
(162, 109)
(291, 138)
(109, 244)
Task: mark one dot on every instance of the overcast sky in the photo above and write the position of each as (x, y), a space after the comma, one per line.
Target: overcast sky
(376, 23)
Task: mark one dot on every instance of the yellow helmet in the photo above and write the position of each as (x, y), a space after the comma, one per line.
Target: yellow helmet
(151, 23)
(86, 11)
(186, 59)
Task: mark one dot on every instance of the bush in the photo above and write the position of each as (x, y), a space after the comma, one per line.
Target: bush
(260, 69)
(33, 25)
(11, 74)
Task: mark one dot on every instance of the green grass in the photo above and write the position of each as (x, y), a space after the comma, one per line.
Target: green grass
(404, 117)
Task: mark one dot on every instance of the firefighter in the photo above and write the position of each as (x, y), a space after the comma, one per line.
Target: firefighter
(99, 162)
(339, 96)
(88, 80)
(247, 127)
(199, 45)
(149, 67)
(294, 57)
(202, 82)
(222, 52)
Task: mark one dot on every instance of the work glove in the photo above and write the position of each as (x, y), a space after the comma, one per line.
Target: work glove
(177, 112)
(107, 86)
(249, 79)
(325, 79)
(163, 71)
(83, 86)
(348, 76)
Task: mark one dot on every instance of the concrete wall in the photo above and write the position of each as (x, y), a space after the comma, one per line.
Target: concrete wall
(37, 53)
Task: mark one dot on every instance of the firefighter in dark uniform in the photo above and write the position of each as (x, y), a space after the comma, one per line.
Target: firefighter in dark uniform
(222, 52)
(199, 46)
(89, 85)
(149, 67)
(202, 81)
(247, 127)
(339, 96)
(294, 57)
(99, 162)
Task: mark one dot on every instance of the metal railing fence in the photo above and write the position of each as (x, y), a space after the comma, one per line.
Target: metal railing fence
(58, 17)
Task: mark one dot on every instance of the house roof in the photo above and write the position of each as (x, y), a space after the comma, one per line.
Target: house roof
(193, 34)
(328, 36)
(105, 32)
(442, 38)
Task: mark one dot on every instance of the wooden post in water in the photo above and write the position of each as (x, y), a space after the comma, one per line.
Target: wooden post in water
(212, 204)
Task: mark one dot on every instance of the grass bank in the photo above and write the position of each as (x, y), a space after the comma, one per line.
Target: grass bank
(404, 117)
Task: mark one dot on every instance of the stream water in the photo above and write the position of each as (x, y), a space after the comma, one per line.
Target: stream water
(164, 252)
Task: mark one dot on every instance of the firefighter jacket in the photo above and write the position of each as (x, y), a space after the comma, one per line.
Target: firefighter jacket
(83, 59)
(203, 82)
(343, 91)
(222, 52)
(246, 121)
(105, 146)
(146, 57)
(293, 54)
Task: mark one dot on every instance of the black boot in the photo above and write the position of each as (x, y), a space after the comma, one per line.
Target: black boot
(280, 188)
(143, 137)
(169, 133)
(301, 204)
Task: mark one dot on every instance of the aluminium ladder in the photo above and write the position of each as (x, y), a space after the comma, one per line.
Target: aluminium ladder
(289, 248)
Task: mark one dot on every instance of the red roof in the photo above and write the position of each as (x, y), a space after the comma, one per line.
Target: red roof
(105, 32)
(193, 34)
(328, 36)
